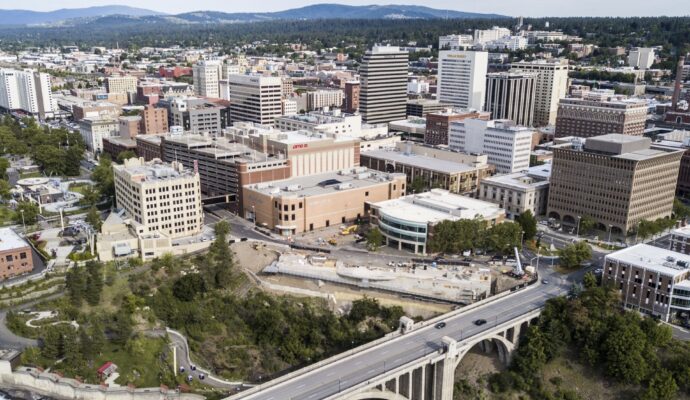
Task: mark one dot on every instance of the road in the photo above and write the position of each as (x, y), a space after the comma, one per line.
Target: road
(368, 364)
(8, 340)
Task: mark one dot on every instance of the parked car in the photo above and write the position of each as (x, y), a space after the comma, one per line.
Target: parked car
(440, 325)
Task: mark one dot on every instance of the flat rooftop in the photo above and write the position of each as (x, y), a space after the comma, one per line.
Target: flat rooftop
(655, 258)
(9, 240)
(535, 177)
(155, 170)
(219, 148)
(321, 184)
(437, 205)
(420, 161)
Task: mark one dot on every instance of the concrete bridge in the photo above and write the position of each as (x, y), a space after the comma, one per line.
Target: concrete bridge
(419, 364)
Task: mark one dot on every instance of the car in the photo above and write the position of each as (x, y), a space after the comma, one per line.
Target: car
(480, 322)
(599, 271)
(440, 325)
(544, 281)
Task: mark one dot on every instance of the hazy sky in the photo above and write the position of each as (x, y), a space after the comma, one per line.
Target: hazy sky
(535, 8)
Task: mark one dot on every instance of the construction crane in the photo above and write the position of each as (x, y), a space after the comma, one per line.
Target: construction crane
(518, 271)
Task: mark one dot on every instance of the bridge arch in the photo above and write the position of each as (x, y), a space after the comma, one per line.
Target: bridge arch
(504, 348)
(376, 395)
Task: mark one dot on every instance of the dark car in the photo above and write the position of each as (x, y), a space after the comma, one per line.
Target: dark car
(480, 322)
(440, 325)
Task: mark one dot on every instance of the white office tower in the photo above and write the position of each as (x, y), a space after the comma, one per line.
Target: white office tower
(206, 74)
(452, 42)
(482, 36)
(255, 98)
(27, 90)
(462, 78)
(641, 57)
(506, 145)
(552, 85)
(383, 77)
(511, 95)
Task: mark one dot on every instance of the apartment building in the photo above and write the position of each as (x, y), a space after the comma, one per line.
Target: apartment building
(154, 120)
(641, 57)
(352, 89)
(319, 99)
(159, 198)
(129, 126)
(518, 192)
(482, 36)
(383, 77)
(552, 85)
(255, 98)
(587, 118)
(462, 78)
(508, 146)
(511, 95)
(28, 90)
(121, 84)
(451, 42)
(618, 180)
(16, 256)
(308, 203)
(438, 124)
(650, 280)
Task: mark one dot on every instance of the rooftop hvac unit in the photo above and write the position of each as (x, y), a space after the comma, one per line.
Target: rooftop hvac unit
(344, 186)
(293, 188)
(363, 175)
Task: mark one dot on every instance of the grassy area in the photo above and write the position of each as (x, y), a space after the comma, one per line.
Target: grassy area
(6, 216)
(78, 187)
(140, 362)
(30, 175)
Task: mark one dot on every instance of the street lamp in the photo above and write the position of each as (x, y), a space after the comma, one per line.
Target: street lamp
(610, 228)
(23, 223)
(577, 234)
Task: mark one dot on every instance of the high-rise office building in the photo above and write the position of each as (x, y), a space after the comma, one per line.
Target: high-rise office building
(319, 99)
(587, 118)
(507, 145)
(462, 78)
(27, 90)
(351, 96)
(255, 98)
(618, 180)
(383, 76)
(511, 95)
(206, 75)
(121, 84)
(552, 85)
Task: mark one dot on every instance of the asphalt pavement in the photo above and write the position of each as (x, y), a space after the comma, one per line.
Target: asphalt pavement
(368, 364)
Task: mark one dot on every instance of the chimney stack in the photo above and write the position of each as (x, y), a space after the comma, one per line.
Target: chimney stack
(678, 85)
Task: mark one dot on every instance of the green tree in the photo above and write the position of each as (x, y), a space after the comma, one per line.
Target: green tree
(125, 155)
(93, 217)
(122, 326)
(587, 224)
(75, 282)
(374, 239)
(680, 210)
(528, 224)
(502, 238)
(103, 176)
(91, 196)
(662, 386)
(28, 210)
(5, 189)
(574, 255)
(94, 282)
(589, 280)
(625, 349)
(187, 287)
(220, 263)
(418, 185)
(4, 165)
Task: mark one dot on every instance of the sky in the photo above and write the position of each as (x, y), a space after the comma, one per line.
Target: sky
(534, 8)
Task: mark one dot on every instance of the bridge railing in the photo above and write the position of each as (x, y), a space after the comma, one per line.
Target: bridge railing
(391, 336)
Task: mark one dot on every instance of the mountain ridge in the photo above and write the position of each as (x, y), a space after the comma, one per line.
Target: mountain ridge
(78, 16)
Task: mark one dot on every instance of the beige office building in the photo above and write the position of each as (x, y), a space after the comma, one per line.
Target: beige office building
(618, 180)
(552, 85)
(311, 202)
(518, 192)
(121, 84)
(587, 118)
(159, 198)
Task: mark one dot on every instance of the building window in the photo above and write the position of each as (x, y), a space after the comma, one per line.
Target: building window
(300, 205)
(9, 258)
(293, 207)
(22, 256)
